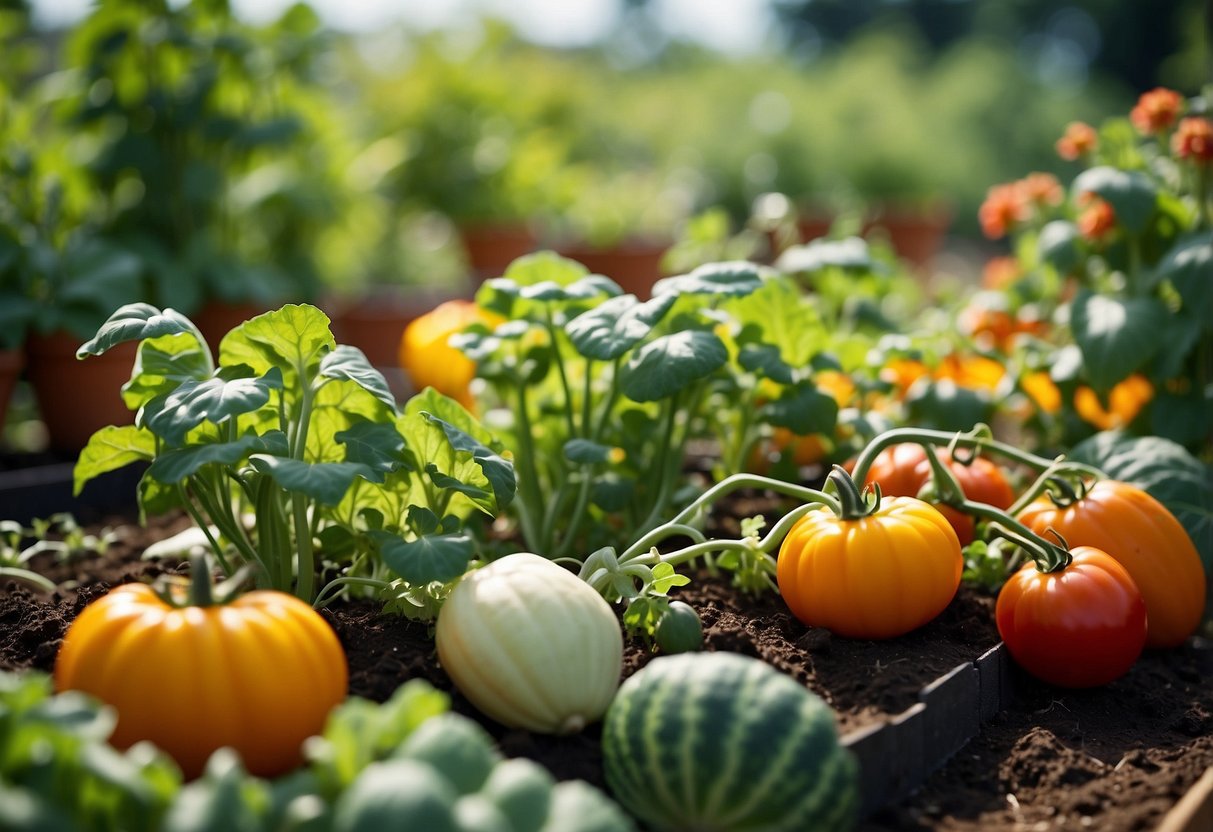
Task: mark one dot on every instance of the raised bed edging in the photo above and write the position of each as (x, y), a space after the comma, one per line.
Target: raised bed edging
(43, 490)
(897, 756)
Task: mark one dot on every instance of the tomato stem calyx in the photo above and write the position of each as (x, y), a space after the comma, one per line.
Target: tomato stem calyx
(853, 503)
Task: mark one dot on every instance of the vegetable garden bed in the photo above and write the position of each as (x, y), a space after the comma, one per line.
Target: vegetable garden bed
(1121, 755)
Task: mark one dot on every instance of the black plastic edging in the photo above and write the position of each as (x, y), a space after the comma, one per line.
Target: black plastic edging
(39, 492)
(897, 756)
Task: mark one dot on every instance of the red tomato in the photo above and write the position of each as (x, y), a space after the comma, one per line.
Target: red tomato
(1080, 627)
(902, 470)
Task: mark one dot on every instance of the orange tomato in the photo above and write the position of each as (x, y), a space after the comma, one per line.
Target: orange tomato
(259, 674)
(1146, 539)
(428, 358)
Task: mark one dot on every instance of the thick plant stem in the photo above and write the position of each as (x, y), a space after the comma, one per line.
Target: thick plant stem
(1049, 556)
(554, 334)
(330, 590)
(528, 477)
(771, 540)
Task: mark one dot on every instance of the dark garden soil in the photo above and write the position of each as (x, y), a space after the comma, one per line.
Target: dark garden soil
(1111, 759)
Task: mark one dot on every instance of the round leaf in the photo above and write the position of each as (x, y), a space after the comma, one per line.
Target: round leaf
(1116, 335)
(668, 364)
(728, 279)
(1130, 193)
(615, 326)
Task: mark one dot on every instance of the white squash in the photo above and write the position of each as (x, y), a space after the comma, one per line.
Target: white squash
(531, 645)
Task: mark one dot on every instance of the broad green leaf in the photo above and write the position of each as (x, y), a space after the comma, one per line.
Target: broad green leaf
(765, 360)
(1189, 268)
(585, 452)
(156, 498)
(431, 558)
(450, 411)
(1167, 471)
(324, 482)
(337, 407)
(215, 400)
(1185, 419)
(944, 405)
(496, 470)
(612, 492)
(851, 253)
(586, 288)
(729, 279)
(785, 318)
(294, 338)
(135, 322)
(803, 409)
(670, 363)
(1057, 245)
(422, 520)
(544, 267)
(161, 365)
(615, 326)
(1116, 336)
(224, 798)
(109, 449)
(1131, 193)
(174, 466)
(375, 444)
(349, 363)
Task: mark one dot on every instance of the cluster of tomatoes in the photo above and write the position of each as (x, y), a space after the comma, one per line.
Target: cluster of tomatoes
(1127, 577)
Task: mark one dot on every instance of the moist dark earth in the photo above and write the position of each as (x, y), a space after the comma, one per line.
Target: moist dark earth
(1114, 758)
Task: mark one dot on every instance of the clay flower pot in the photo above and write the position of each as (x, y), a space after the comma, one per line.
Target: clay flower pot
(218, 318)
(12, 362)
(78, 397)
(375, 322)
(635, 264)
(490, 248)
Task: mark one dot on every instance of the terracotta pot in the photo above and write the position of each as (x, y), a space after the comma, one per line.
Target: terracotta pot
(634, 265)
(12, 362)
(490, 248)
(218, 318)
(375, 322)
(78, 397)
(916, 235)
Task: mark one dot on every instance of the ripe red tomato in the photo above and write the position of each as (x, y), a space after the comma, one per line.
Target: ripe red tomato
(1079, 627)
(902, 470)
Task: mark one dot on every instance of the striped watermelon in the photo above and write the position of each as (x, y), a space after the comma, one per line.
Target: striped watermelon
(719, 742)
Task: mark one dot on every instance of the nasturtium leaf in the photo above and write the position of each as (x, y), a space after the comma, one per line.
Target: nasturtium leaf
(733, 278)
(109, 449)
(1189, 267)
(161, 365)
(1132, 195)
(427, 559)
(295, 337)
(615, 326)
(850, 253)
(585, 452)
(668, 364)
(1166, 470)
(1057, 245)
(134, 322)
(765, 360)
(215, 400)
(174, 466)
(1116, 335)
(351, 364)
(338, 406)
(377, 445)
(803, 409)
(324, 482)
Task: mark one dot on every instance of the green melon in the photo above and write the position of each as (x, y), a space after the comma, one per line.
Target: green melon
(719, 742)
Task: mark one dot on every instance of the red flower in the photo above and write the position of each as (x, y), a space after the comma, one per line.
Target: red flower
(1194, 140)
(1156, 110)
(1003, 209)
(1097, 220)
(1042, 189)
(1079, 140)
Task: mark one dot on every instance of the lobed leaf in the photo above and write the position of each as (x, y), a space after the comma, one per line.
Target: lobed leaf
(615, 326)
(135, 322)
(175, 465)
(351, 364)
(109, 449)
(214, 400)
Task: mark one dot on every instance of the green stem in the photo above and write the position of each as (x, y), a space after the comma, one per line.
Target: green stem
(772, 539)
(583, 500)
(741, 439)
(1049, 557)
(201, 591)
(587, 411)
(554, 334)
(663, 453)
(853, 505)
(331, 589)
(201, 523)
(17, 574)
(528, 478)
(604, 416)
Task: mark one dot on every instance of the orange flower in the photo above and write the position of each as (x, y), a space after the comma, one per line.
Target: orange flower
(975, 372)
(1041, 390)
(1156, 110)
(1000, 272)
(836, 385)
(1003, 209)
(1042, 189)
(1124, 403)
(1194, 140)
(1078, 140)
(1097, 220)
(989, 328)
(430, 361)
(902, 372)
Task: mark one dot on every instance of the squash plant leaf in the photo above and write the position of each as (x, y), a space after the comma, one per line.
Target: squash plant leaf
(1130, 193)
(215, 400)
(324, 482)
(803, 409)
(778, 313)
(1116, 335)
(765, 360)
(1165, 470)
(351, 364)
(585, 452)
(436, 557)
(498, 473)
(109, 449)
(174, 466)
(1057, 245)
(668, 364)
(161, 365)
(377, 445)
(616, 325)
(1188, 266)
(728, 279)
(135, 322)
(851, 253)
(294, 338)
